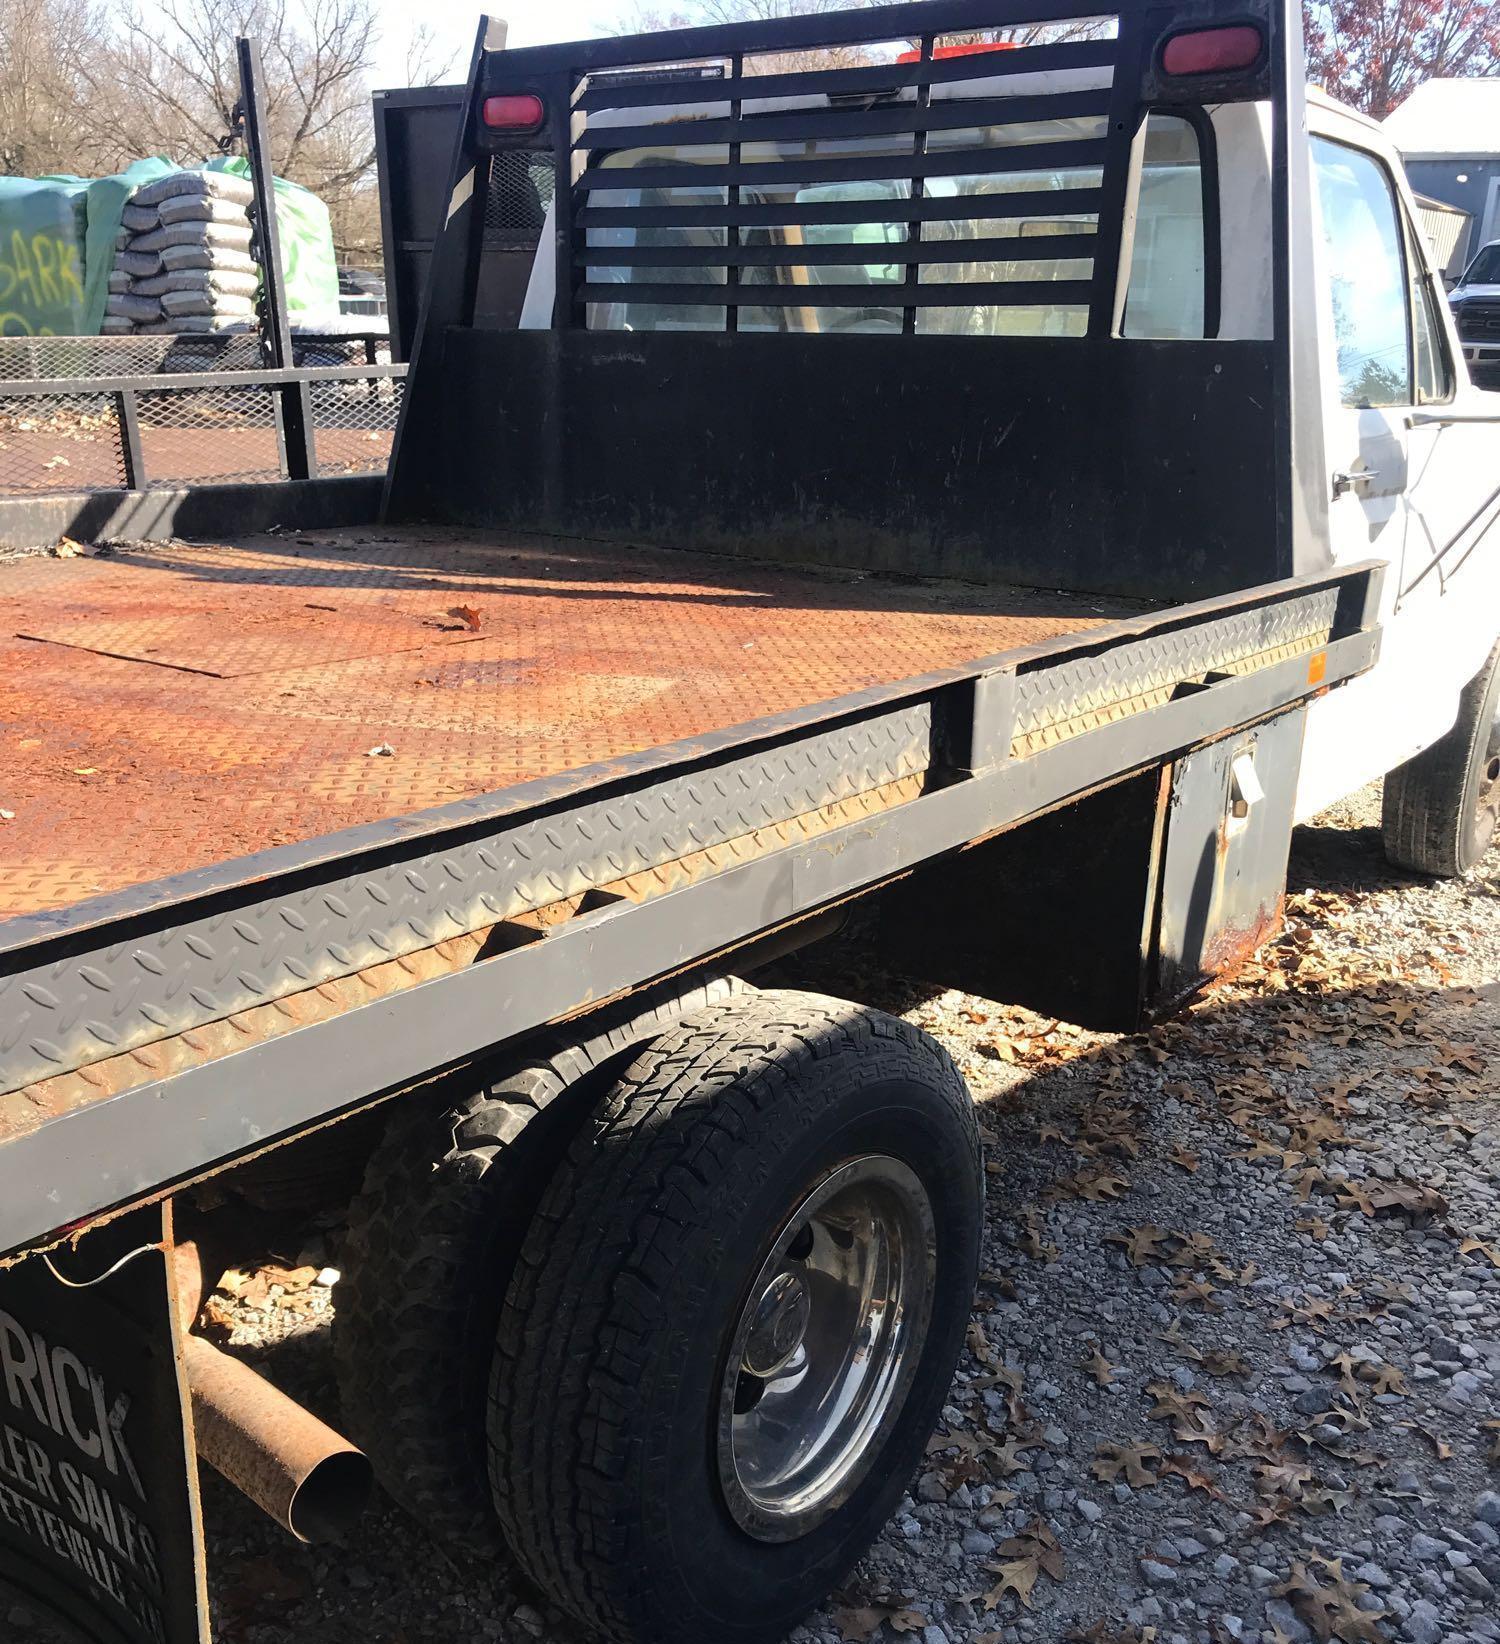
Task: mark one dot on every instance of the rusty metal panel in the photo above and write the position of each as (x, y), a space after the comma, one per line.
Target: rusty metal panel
(302, 656)
(1223, 877)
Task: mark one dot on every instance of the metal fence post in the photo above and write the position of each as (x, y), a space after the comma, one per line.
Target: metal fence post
(294, 399)
(127, 413)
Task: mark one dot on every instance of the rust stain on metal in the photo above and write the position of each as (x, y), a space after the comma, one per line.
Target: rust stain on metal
(294, 1467)
(186, 704)
(1237, 944)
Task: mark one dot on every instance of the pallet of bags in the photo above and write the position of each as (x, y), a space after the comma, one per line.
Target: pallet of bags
(183, 251)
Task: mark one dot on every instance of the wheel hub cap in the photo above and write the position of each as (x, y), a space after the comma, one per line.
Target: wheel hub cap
(778, 1326)
(825, 1347)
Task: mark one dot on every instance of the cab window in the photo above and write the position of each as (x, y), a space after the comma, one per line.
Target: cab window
(1430, 344)
(1164, 297)
(1365, 268)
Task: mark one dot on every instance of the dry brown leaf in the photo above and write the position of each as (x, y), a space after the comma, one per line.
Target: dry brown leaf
(1110, 1460)
(1027, 1555)
(863, 1621)
(1200, 1291)
(1374, 1196)
(1332, 1609)
(1184, 1158)
(1143, 1244)
(1224, 1361)
(1441, 1448)
(1032, 1241)
(469, 615)
(1093, 1185)
(1098, 1366)
(1194, 1477)
(1489, 1251)
(1492, 1455)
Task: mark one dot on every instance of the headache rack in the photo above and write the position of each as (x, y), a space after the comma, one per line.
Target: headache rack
(872, 315)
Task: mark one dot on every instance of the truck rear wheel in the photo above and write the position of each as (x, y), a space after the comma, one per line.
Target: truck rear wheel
(431, 1243)
(735, 1318)
(1441, 809)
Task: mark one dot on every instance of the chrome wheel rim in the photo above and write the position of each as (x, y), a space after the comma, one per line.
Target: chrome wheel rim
(828, 1339)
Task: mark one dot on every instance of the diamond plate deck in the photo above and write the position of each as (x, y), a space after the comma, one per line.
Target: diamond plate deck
(121, 771)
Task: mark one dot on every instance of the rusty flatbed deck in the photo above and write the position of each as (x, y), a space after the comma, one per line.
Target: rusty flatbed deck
(169, 707)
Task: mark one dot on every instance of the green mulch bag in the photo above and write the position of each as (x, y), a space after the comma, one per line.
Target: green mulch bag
(57, 246)
(308, 262)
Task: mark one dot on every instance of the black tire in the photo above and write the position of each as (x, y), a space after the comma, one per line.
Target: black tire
(431, 1243)
(612, 1346)
(1440, 810)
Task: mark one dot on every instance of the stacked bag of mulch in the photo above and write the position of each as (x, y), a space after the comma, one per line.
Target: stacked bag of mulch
(183, 262)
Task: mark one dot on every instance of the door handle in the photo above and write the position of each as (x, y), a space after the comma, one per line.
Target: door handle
(1354, 479)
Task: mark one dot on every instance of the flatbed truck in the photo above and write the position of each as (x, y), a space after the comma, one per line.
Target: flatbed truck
(810, 544)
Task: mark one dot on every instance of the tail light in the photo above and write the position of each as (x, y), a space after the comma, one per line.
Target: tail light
(1213, 51)
(514, 115)
(969, 48)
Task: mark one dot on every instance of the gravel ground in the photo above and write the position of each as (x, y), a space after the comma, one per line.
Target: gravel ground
(1232, 1372)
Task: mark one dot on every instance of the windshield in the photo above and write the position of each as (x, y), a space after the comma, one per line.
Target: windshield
(1485, 269)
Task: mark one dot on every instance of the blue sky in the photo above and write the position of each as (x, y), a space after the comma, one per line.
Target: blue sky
(532, 23)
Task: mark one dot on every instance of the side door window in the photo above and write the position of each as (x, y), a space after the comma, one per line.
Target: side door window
(1365, 268)
(1434, 366)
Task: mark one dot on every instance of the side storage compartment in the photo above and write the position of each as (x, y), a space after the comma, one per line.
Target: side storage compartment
(1115, 909)
(1223, 871)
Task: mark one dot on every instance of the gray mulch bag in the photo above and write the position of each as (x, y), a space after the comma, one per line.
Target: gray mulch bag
(140, 310)
(139, 265)
(215, 281)
(223, 185)
(139, 219)
(119, 281)
(113, 326)
(205, 302)
(201, 208)
(192, 325)
(218, 236)
(177, 257)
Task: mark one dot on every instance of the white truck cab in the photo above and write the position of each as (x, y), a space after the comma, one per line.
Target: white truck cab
(1413, 455)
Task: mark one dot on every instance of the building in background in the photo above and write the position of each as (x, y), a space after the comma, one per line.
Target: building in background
(1448, 132)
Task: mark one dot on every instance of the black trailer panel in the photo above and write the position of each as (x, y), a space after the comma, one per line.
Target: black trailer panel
(1118, 467)
(414, 135)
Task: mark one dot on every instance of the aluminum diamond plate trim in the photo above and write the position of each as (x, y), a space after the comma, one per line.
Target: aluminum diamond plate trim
(1054, 703)
(91, 1005)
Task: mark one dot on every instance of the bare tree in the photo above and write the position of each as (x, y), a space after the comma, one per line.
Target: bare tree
(41, 43)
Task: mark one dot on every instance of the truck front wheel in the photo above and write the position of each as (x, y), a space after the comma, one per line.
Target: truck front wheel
(1441, 809)
(735, 1319)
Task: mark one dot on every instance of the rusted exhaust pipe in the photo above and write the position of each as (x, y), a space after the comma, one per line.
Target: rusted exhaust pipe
(291, 1465)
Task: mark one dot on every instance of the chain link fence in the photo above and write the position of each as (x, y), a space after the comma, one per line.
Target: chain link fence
(66, 442)
(143, 412)
(354, 423)
(42, 359)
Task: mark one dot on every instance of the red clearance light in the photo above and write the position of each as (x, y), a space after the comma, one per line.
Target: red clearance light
(970, 49)
(522, 112)
(1212, 51)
